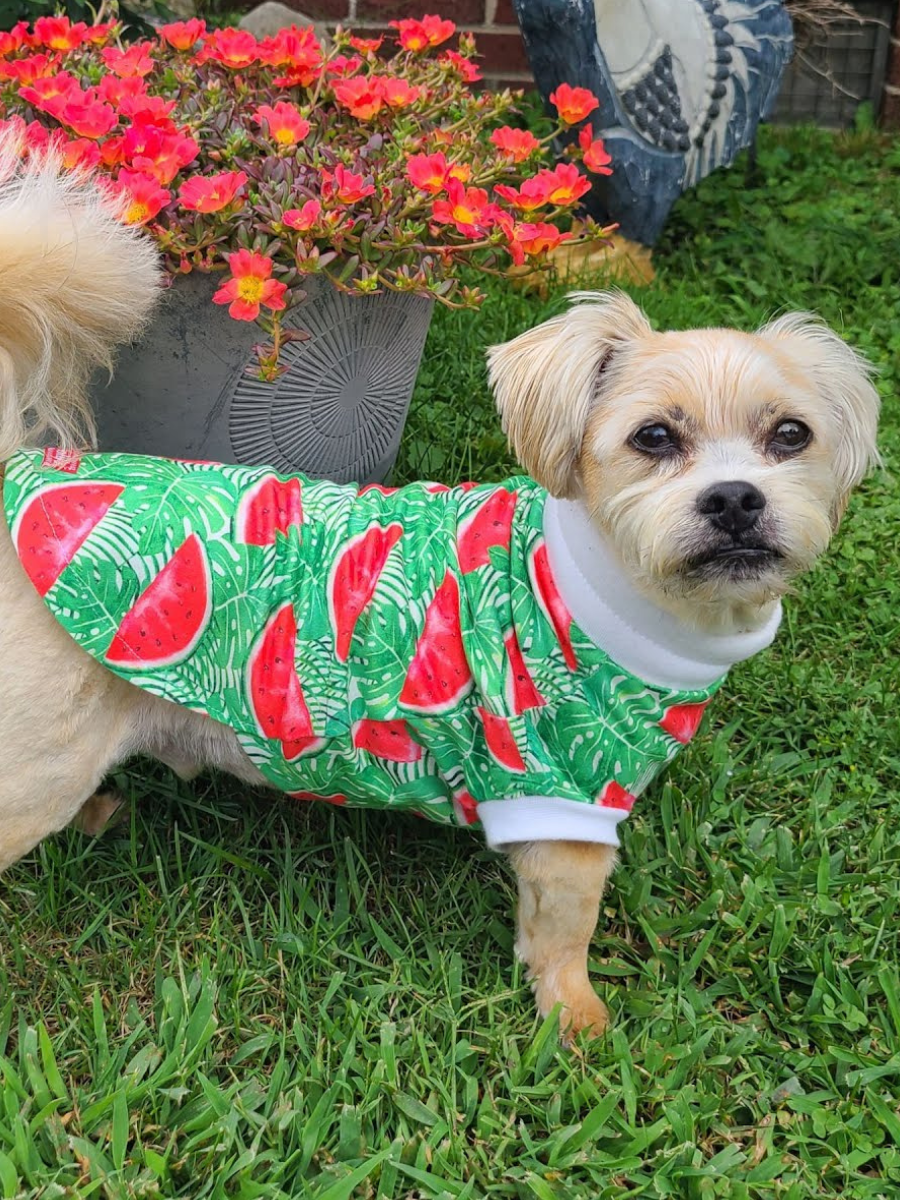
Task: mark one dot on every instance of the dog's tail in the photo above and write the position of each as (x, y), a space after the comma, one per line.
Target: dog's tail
(74, 282)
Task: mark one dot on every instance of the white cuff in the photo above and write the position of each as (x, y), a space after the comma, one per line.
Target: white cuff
(548, 819)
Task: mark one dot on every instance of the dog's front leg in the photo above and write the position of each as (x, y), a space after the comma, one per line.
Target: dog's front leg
(560, 885)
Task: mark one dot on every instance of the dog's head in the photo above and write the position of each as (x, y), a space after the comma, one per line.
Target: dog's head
(717, 463)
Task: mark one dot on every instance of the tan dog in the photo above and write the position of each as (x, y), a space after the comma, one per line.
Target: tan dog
(714, 465)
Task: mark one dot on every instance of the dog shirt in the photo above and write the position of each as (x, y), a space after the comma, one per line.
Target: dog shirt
(470, 654)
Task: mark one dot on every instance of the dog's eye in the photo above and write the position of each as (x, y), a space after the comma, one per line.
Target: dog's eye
(655, 439)
(791, 435)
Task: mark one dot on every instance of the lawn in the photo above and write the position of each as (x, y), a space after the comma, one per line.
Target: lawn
(234, 996)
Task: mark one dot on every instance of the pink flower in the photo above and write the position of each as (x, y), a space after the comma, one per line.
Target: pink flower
(145, 198)
(594, 157)
(398, 93)
(90, 119)
(467, 209)
(303, 218)
(349, 187)
(573, 104)
(207, 194)
(232, 47)
(462, 65)
(128, 63)
(250, 287)
(517, 144)
(284, 123)
(428, 172)
(183, 35)
(361, 96)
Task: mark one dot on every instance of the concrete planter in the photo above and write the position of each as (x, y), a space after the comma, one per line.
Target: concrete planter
(337, 412)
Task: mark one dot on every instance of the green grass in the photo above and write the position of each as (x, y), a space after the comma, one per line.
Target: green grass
(233, 996)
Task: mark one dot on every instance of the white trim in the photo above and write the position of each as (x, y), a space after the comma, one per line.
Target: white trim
(647, 641)
(548, 819)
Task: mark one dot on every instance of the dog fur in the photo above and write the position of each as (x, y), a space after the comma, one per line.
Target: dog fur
(572, 394)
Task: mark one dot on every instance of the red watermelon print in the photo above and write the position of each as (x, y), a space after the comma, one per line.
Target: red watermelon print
(336, 798)
(521, 693)
(615, 796)
(391, 740)
(552, 603)
(270, 507)
(353, 580)
(274, 690)
(683, 720)
(168, 619)
(439, 675)
(465, 806)
(489, 526)
(501, 742)
(55, 524)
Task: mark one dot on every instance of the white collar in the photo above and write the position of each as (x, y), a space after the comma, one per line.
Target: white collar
(647, 641)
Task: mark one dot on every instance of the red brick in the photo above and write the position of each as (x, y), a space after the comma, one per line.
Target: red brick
(501, 54)
(463, 12)
(505, 14)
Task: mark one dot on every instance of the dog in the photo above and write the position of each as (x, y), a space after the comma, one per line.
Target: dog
(562, 632)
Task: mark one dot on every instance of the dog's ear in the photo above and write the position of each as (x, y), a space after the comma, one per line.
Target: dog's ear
(546, 382)
(843, 379)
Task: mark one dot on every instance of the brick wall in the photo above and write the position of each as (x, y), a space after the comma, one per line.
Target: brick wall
(503, 59)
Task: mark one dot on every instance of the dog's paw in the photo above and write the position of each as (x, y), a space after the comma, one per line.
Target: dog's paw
(581, 1009)
(100, 812)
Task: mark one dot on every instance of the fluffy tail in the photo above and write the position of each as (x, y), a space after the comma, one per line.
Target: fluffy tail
(74, 282)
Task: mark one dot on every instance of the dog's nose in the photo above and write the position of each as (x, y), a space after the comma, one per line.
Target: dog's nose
(733, 507)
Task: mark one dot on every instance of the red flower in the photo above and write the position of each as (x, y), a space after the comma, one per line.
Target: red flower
(420, 35)
(565, 184)
(295, 49)
(52, 93)
(462, 65)
(573, 104)
(535, 240)
(206, 194)
(362, 97)
(517, 144)
(350, 187)
(113, 90)
(14, 39)
(90, 119)
(128, 63)
(157, 152)
(437, 30)
(251, 286)
(344, 66)
(142, 194)
(398, 93)
(428, 172)
(152, 110)
(81, 154)
(183, 35)
(96, 35)
(302, 218)
(58, 33)
(366, 45)
(232, 47)
(466, 208)
(595, 157)
(26, 70)
(285, 125)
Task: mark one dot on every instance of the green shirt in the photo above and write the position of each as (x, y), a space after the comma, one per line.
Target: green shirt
(401, 648)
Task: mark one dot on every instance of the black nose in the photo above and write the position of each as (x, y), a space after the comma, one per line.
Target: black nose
(734, 507)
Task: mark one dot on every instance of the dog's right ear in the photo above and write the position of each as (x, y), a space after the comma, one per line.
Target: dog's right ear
(546, 382)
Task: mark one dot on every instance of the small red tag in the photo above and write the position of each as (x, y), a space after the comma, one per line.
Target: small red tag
(61, 460)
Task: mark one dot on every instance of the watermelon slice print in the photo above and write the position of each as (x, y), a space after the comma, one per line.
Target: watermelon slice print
(274, 690)
(377, 487)
(465, 806)
(55, 524)
(683, 720)
(521, 692)
(439, 675)
(353, 581)
(490, 525)
(501, 742)
(387, 739)
(551, 602)
(268, 508)
(170, 616)
(336, 798)
(615, 796)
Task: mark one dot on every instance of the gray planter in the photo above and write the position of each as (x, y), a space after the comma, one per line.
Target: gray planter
(185, 391)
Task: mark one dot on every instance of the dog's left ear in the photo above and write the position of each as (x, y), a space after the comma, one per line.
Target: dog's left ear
(547, 381)
(844, 381)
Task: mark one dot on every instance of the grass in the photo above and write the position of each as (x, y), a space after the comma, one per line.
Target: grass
(231, 996)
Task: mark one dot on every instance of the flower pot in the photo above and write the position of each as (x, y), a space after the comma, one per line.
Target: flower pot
(188, 388)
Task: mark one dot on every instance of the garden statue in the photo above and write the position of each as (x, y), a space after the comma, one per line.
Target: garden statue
(682, 86)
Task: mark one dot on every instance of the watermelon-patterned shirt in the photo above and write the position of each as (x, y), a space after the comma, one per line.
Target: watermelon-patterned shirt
(413, 648)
